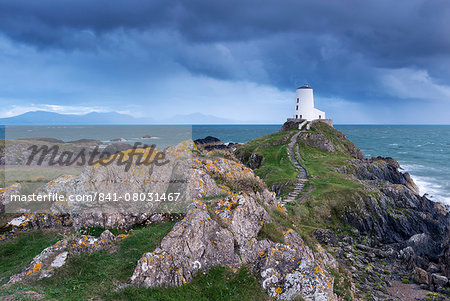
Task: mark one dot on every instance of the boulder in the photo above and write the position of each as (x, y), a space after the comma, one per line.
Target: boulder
(439, 280)
(420, 276)
(50, 259)
(115, 148)
(225, 235)
(210, 143)
(255, 161)
(195, 243)
(44, 264)
(88, 243)
(5, 195)
(288, 271)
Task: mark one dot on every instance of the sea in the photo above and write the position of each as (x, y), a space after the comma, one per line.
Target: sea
(421, 150)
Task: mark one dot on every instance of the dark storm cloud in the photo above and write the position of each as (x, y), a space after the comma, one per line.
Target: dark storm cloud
(384, 28)
(351, 49)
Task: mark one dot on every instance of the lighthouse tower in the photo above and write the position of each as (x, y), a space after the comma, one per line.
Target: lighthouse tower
(304, 106)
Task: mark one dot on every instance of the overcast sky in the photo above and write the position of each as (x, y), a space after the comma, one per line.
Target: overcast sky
(368, 61)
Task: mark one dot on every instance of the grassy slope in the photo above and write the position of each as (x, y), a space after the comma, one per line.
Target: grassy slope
(96, 275)
(333, 191)
(17, 253)
(276, 167)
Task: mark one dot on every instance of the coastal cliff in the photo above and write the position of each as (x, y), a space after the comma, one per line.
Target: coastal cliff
(357, 229)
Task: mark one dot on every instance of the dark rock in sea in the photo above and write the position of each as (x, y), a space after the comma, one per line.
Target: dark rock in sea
(87, 141)
(210, 143)
(208, 140)
(146, 137)
(116, 148)
(44, 139)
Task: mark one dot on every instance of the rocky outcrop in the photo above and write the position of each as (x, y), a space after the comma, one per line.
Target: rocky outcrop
(290, 270)
(226, 235)
(88, 243)
(115, 148)
(317, 140)
(393, 214)
(210, 143)
(54, 257)
(44, 264)
(380, 169)
(255, 161)
(225, 232)
(291, 125)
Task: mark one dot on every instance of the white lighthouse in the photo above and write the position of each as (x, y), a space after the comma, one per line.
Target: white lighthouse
(304, 106)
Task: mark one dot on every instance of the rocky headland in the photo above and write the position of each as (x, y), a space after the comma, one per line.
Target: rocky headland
(356, 229)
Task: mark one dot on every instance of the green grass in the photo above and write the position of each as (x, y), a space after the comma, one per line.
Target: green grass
(91, 275)
(276, 168)
(94, 276)
(17, 253)
(332, 191)
(219, 283)
(271, 231)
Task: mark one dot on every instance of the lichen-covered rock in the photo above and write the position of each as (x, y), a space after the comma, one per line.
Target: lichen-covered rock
(108, 193)
(50, 259)
(44, 264)
(202, 184)
(5, 194)
(109, 220)
(195, 243)
(291, 270)
(29, 221)
(232, 174)
(88, 243)
(225, 234)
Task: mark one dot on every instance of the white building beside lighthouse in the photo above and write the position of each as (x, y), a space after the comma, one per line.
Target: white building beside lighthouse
(304, 106)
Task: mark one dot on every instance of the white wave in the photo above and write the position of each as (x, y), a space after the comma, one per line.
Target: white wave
(432, 188)
(412, 167)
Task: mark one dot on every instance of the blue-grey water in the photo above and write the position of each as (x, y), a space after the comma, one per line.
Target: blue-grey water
(422, 150)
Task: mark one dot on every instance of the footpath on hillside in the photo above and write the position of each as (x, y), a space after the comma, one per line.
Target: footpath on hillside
(302, 177)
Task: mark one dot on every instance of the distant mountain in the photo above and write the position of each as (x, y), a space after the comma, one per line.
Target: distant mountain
(51, 118)
(198, 118)
(46, 118)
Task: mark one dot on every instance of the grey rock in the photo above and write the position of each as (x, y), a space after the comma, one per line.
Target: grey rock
(439, 280)
(420, 276)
